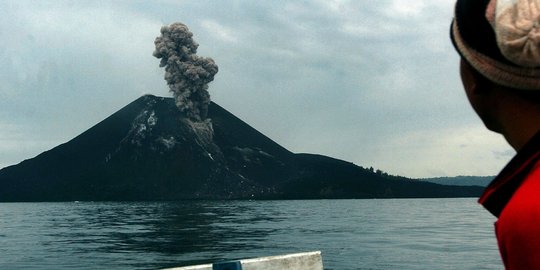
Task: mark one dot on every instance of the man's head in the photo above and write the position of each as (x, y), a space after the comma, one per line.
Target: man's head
(499, 44)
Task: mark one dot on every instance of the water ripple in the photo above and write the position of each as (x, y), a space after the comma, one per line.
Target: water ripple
(352, 234)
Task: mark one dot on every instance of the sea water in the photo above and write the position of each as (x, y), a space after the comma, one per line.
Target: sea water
(352, 234)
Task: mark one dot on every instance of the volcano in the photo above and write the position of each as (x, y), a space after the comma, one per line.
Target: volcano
(149, 150)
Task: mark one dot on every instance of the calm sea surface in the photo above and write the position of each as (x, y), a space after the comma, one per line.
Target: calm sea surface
(352, 234)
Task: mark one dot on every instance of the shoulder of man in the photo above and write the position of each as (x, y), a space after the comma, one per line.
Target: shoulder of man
(518, 227)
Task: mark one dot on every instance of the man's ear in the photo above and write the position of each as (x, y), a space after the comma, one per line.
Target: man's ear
(473, 82)
(481, 94)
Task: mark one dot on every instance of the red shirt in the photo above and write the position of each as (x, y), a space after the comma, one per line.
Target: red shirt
(514, 197)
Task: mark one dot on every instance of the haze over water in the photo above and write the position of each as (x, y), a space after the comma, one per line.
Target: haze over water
(352, 234)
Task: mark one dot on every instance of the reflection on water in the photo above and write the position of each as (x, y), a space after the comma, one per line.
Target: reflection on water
(168, 228)
(187, 232)
(353, 234)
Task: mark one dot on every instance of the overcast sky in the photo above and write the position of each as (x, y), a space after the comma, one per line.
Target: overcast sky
(371, 82)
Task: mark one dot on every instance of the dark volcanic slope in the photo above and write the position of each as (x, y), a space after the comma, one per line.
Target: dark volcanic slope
(149, 151)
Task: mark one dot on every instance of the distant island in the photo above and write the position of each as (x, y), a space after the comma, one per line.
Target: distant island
(482, 181)
(149, 150)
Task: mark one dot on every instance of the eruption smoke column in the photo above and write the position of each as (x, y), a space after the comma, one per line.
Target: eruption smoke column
(186, 73)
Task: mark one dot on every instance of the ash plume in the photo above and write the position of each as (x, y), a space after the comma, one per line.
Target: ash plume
(186, 73)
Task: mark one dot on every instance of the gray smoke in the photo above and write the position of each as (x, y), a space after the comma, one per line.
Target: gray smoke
(186, 73)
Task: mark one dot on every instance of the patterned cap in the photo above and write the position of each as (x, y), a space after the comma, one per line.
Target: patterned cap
(500, 39)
